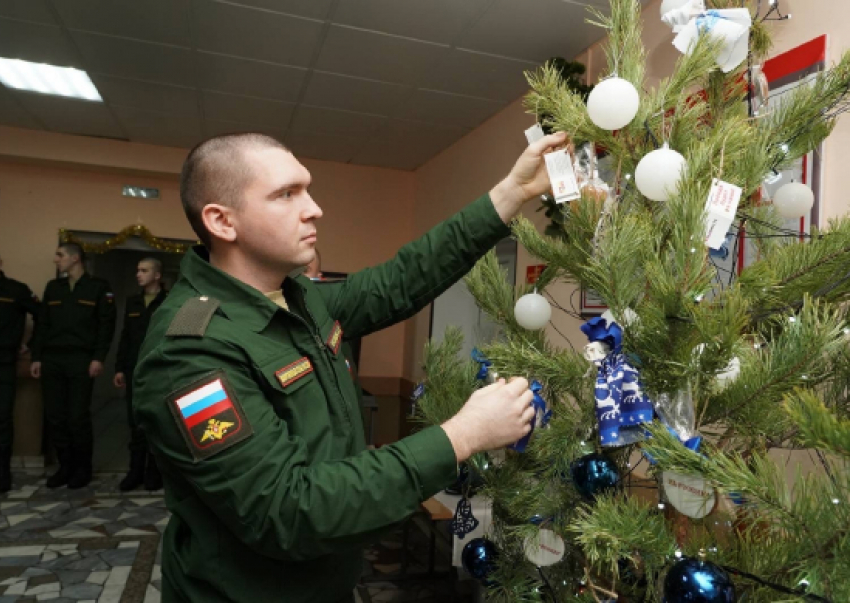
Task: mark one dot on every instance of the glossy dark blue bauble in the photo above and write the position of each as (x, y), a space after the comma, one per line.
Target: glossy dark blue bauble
(479, 559)
(594, 474)
(696, 581)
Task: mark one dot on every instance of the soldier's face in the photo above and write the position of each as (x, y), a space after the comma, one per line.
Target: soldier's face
(145, 274)
(276, 222)
(63, 260)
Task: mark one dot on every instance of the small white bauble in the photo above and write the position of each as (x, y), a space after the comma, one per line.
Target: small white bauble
(613, 103)
(532, 311)
(658, 174)
(545, 548)
(729, 374)
(668, 5)
(793, 200)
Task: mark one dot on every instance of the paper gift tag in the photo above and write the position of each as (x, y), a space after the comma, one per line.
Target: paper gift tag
(559, 165)
(545, 548)
(720, 209)
(691, 496)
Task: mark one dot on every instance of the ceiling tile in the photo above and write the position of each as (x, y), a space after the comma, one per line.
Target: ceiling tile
(155, 20)
(12, 112)
(136, 60)
(407, 145)
(482, 75)
(330, 121)
(229, 107)
(37, 43)
(533, 30)
(318, 146)
(71, 116)
(217, 127)
(29, 10)
(315, 9)
(434, 21)
(255, 34)
(146, 95)
(448, 109)
(353, 94)
(252, 78)
(377, 56)
(153, 127)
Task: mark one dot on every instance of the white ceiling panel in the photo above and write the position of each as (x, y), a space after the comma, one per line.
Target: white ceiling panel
(37, 43)
(71, 116)
(255, 34)
(249, 78)
(136, 60)
(256, 111)
(533, 30)
(440, 21)
(377, 56)
(12, 112)
(146, 95)
(406, 145)
(153, 20)
(314, 9)
(29, 10)
(482, 75)
(331, 121)
(319, 146)
(448, 109)
(153, 127)
(353, 94)
(217, 128)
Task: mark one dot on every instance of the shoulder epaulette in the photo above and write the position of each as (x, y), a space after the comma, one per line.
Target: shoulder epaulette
(193, 317)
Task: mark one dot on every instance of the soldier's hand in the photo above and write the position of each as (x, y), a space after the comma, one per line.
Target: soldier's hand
(118, 380)
(24, 349)
(95, 368)
(35, 370)
(493, 417)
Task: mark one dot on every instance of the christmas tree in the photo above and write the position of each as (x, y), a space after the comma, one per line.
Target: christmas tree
(696, 374)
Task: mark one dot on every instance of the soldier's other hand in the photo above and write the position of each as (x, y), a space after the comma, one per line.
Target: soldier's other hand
(35, 370)
(95, 368)
(118, 380)
(493, 417)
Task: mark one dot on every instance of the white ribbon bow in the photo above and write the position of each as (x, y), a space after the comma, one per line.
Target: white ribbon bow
(731, 26)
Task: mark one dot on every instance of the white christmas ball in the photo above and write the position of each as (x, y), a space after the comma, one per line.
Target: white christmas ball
(729, 374)
(793, 200)
(532, 311)
(668, 5)
(658, 174)
(613, 103)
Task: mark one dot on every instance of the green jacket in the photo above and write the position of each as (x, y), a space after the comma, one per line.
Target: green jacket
(254, 420)
(16, 300)
(81, 321)
(137, 317)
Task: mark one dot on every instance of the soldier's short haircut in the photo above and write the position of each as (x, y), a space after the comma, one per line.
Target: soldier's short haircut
(216, 172)
(155, 264)
(74, 249)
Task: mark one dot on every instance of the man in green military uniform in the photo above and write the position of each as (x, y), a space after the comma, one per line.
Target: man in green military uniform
(72, 337)
(246, 400)
(137, 316)
(16, 301)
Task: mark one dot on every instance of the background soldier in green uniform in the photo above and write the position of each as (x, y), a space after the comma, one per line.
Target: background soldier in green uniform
(16, 300)
(246, 400)
(137, 317)
(72, 337)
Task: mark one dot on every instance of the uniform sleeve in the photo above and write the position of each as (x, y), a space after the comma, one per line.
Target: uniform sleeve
(105, 322)
(378, 297)
(262, 488)
(42, 327)
(123, 344)
(29, 301)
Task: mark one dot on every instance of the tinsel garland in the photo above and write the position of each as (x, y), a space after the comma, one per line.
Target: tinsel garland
(136, 230)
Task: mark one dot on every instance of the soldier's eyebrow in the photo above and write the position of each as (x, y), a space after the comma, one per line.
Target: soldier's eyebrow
(295, 184)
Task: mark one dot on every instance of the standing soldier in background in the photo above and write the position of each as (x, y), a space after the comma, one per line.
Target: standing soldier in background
(71, 341)
(16, 300)
(137, 316)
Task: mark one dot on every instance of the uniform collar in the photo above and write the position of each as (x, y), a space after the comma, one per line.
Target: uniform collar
(239, 302)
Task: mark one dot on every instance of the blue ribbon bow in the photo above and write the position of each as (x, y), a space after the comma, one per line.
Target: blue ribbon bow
(480, 358)
(691, 443)
(599, 329)
(542, 414)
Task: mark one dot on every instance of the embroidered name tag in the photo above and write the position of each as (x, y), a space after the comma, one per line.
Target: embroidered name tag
(54, 303)
(210, 417)
(86, 302)
(8, 300)
(134, 314)
(293, 372)
(335, 338)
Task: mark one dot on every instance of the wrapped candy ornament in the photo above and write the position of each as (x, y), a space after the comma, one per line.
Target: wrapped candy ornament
(731, 26)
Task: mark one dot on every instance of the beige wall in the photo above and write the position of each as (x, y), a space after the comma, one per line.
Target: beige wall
(51, 181)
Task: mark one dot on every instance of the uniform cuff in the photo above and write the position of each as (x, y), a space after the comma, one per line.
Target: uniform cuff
(435, 459)
(487, 222)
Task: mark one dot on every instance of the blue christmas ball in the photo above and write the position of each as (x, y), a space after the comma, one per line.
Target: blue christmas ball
(594, 474)
(479, 559)
(697, 581)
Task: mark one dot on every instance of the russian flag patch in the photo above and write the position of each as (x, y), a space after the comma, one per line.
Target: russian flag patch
(209, 415)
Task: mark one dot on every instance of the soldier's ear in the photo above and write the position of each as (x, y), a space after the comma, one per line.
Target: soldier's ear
(218, 220)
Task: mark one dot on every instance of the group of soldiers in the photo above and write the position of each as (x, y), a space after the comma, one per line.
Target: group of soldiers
(74, 327)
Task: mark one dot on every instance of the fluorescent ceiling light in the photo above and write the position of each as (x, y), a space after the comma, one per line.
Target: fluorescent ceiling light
(47, 79)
